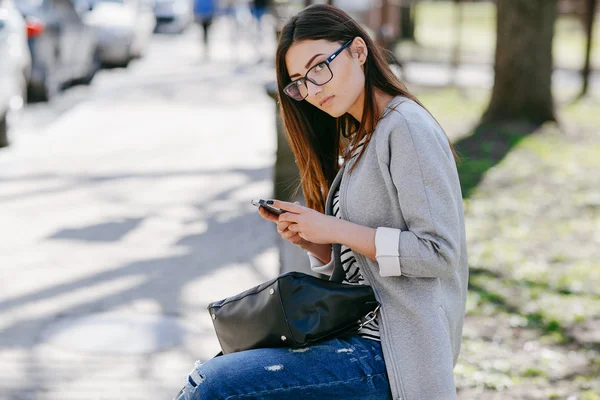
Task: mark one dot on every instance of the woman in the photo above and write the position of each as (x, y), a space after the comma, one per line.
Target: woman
(395, 206)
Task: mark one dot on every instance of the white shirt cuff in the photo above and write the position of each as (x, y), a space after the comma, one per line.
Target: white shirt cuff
(318, 266)
(386, 251)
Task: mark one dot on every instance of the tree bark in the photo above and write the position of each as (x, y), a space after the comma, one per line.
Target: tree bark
(523, 62)
(388, 21)
(407, 21)
(388, 29)
(590, 17)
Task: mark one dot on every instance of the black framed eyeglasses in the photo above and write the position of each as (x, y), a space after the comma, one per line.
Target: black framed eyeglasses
(318, 74)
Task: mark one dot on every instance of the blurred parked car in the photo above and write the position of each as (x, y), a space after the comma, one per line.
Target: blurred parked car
(14, 36)
(124, 29)
(63, 49)
(173, 16)
(15, 65)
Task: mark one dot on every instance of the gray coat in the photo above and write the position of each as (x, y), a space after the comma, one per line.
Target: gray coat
(407, 179)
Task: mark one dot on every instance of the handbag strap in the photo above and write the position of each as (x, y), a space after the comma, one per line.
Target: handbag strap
(338, 276)
(338, 272)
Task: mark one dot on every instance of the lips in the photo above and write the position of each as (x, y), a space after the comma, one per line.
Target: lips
(326, 101)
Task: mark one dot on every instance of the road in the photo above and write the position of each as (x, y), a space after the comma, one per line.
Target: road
(125, 209)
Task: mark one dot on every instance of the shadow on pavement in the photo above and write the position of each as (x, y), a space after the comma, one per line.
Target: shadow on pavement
(104, 232)
(222, 243)
(81, 181)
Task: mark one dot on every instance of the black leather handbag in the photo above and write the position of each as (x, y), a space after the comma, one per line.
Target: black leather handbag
(292, 310)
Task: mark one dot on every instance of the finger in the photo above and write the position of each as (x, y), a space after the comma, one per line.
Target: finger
(288, 234)
(290, 217)
(294, 228)
(295, 239)
(282, 226)
(291, 207)
(267, 215)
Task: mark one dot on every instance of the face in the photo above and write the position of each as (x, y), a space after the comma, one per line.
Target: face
(343, 93)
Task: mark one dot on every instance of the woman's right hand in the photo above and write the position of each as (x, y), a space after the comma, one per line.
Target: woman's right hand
(321, 251)
(282, 228)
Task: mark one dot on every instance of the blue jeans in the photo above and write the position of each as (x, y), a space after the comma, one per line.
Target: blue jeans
(343, 368)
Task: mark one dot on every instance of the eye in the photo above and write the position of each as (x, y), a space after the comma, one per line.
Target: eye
(299, 82)
(320, 66)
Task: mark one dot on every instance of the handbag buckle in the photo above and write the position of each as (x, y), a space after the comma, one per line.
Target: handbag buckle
(370, 317)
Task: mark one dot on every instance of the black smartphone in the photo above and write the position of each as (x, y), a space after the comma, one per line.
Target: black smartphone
(268, 207)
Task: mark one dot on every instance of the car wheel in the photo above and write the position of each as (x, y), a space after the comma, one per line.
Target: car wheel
(94, 67)
(45, 90)
(124, 63)
(11, 117)
(4, 141)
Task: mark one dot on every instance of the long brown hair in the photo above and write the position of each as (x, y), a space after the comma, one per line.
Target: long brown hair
(316, 138)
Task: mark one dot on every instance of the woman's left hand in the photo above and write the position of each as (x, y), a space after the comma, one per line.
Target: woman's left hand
(310, 225)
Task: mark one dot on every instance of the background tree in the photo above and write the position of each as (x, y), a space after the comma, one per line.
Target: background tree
(523, 62)
(388, 28)
(407, 20)
(590, 17)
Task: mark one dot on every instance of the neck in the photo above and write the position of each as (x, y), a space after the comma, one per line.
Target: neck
(382, 99)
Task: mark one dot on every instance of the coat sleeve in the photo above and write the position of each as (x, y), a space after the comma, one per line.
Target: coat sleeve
(423, 171)
(318, 266)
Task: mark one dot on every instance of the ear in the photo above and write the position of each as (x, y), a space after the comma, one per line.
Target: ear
(359, 50)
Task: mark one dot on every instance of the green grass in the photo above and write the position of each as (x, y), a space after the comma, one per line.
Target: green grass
(532, 212)
(435, 35)
(532, 373)
(532, 233)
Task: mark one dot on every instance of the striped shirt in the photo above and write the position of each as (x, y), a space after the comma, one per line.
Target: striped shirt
(352, 272)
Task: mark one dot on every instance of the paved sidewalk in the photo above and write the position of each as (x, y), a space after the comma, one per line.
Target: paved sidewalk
(123, 218)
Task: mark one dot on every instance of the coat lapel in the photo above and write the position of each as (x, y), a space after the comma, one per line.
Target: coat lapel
(338, 272)
(332, 189)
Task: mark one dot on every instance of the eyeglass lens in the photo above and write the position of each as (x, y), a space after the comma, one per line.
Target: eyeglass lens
(319, 74)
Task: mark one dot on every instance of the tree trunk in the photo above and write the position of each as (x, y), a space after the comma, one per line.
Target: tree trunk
(407, 21)
(385, 32)
(388, 29)
(523, 63)
(590, 17)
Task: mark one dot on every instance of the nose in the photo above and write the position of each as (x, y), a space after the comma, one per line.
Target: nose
(313, 89)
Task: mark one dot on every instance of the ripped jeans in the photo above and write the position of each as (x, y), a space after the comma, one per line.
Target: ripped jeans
(342, 368)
